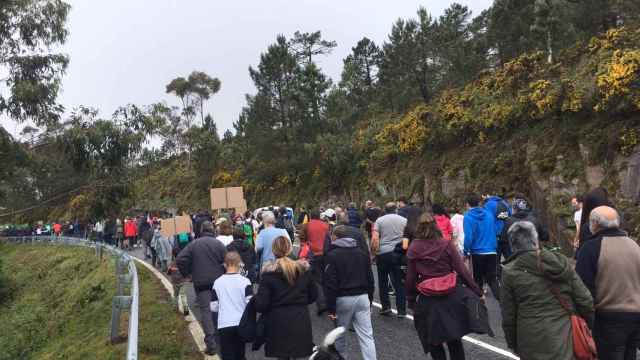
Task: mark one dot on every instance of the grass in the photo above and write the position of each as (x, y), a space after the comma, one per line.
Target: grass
(59, 307)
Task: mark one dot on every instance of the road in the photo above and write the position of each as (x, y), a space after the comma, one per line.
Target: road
(395, 338)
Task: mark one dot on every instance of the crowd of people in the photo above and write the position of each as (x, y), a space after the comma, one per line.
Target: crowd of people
(436, 263)
(254, 286)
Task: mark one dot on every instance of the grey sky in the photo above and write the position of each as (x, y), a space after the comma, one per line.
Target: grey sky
(126, 51)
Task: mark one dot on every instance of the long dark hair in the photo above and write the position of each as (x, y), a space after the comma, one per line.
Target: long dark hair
(427, 228)
(594, 198)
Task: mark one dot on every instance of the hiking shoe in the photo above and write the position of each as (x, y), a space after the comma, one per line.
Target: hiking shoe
(210, 351)
(385, 312)
(401, 315)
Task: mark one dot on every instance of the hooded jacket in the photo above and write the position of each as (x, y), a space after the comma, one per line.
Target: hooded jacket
(500, 211)
(535, 324)
(434, 258)
(347, 272)
(479, 232)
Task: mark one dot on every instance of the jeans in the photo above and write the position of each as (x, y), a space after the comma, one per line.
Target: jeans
(388, 268)
(232, 347)
(203, 300)
(617, 335)
(485, 269)
(357, 310)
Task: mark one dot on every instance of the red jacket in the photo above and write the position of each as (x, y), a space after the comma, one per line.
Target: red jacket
(444, 224)
(316, 233)
(130, 229)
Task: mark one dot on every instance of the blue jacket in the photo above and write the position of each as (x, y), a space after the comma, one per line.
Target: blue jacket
(479, 232)
(492, 204)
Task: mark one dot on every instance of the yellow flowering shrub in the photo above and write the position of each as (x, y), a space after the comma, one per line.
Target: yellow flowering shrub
(406, 136)
(620, 82)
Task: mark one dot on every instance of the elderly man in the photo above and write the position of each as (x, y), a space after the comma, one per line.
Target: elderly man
(203, 259)
(536, 324)
(266, 237)
(609, 265)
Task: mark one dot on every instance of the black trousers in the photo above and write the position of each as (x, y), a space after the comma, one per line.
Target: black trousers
(617, 335)
(485, 270)
(317, 273)
(232, 347)
(388, 268)
(456, 351)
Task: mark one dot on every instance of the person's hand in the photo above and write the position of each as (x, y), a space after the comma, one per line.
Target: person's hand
(332, 317)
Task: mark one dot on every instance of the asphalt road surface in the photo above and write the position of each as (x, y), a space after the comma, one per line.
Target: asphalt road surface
(395, 338)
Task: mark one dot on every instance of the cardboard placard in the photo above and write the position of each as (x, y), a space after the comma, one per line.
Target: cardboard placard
(228, 198)
(235, 197)
(218, 198)
(176, 225)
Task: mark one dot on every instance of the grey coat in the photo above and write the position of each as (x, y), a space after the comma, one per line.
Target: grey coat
(203, 259)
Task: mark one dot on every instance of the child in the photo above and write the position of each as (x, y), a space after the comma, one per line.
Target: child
(230, 295)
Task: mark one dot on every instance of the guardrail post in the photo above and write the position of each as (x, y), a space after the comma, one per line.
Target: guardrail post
(119, 303)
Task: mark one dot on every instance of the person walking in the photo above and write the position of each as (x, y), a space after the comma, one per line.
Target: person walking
(285, 292)
(230, 295)
(163, 248)
(349, 286)
(316, 233)
(443, 319)
(388, 232)
(609, 265)
(225, 233)
(265, 239)
(522, 211)
(354, 216)
(457, 225)
(593, 199)
(371, 214)
(246, 251)
(480, 244)
(540, 291)
(443, 221)
(203, 259)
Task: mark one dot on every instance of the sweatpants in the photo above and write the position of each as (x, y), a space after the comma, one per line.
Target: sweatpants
(232, 347)
(203, 301)
(356, 310)
(485, 270)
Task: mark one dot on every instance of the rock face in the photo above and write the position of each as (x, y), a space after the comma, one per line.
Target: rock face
(629, 174)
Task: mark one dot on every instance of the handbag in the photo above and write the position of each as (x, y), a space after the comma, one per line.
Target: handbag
(584, 347)
(438, 286)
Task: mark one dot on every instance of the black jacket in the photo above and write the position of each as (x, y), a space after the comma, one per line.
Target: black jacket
(286, 307)
(247, 253)
(524, 215)
(203, 259)
(347, 272)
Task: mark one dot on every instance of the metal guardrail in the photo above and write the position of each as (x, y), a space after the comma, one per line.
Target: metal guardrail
(126, 276)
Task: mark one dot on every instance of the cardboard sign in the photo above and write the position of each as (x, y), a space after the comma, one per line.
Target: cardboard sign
(227, 198)
(176, 225)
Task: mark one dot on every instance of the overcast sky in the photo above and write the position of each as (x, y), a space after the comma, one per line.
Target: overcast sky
(126, 51)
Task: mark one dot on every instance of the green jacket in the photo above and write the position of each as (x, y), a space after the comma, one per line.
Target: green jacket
(535, 325)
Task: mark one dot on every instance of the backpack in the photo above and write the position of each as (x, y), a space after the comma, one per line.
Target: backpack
(247, 228)
(183, 239)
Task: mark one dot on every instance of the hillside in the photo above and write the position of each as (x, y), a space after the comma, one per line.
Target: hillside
(60, 308)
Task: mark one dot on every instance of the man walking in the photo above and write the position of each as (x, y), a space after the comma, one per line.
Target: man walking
(372, 213)
(348, 283)
(387, 234)
(316, 233)
(481, 244)
(203, 259)
(266, 237)
(609, 265)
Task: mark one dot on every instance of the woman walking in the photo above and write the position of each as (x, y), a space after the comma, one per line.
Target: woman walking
(441, 318)
(286, 289)
(540, 291)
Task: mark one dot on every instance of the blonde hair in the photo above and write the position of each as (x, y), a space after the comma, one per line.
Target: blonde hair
(281, 250)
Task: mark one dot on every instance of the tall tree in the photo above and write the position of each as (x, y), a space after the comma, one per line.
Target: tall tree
(29, 30)
(306, 45)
